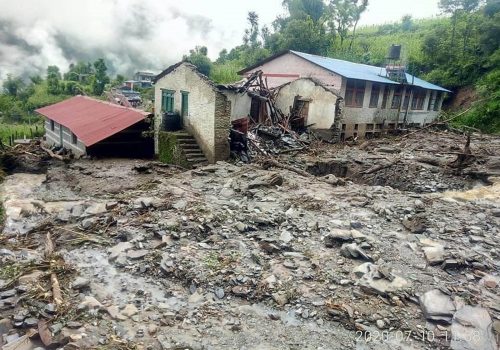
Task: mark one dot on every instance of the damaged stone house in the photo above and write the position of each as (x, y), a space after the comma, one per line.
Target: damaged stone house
(87, 126)
(375, 98)
(205, 109)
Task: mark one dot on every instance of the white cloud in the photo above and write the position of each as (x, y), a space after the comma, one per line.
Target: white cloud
(139, 34)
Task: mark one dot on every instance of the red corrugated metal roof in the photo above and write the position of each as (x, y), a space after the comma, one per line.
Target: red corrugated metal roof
(92, 120)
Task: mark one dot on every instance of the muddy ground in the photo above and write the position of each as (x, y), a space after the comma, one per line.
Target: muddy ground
(387, 244)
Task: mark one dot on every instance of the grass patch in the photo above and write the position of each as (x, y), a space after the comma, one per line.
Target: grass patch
(169, 151)
(20, 131)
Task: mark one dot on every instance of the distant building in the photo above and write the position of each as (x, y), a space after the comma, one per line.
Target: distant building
(373, 100)
(88, 126)
(144, 78)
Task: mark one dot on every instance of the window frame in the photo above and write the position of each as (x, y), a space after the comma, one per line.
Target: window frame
(439, 96)
(352, 91)
(385, 96)
(167, 100)
(432, 100)
(184, 103)
(406, 100)
(418, 100)
(74, 139)
(398, 93)
(52, 125)
(374, 101)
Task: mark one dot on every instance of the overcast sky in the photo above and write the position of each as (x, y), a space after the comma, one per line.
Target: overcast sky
(142, 34)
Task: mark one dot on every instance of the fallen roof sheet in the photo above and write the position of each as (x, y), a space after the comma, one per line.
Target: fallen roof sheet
(92, 120)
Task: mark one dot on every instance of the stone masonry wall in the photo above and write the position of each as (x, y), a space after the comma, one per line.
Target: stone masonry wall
(221, 127)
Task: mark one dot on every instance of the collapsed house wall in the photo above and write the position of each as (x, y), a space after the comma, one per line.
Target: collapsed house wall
(321, 101)
(59, 135)
(358, 121)
(240, 104)
(207, 113)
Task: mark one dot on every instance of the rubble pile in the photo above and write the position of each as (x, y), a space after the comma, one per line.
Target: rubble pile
(293, 253)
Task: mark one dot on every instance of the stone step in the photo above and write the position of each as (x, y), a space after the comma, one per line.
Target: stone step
(194, 154)
(187, 146)
(186, 141)
(197, 159)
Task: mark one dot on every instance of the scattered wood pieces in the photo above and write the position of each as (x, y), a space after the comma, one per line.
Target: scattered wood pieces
(272, 162)
(52, 154)
(56, 289)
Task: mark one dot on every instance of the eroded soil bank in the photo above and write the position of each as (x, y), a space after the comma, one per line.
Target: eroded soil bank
(399, 251)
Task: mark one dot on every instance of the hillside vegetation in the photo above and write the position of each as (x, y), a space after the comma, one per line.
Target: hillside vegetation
(459, 49)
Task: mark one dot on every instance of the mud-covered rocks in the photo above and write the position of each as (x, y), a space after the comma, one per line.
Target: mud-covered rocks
(437, 306)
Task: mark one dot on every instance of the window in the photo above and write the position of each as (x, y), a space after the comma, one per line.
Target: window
(356, 126)
(343, 126)
(374, 95)
(432, 100)
(52, 126)
(385, 97)
(167, 101)
(184, 103)
(406, 101)
(437, 101)
(418, 100)
(74, 139)
(396, 99)
(380, 126)
(355, 93)
(369, 126)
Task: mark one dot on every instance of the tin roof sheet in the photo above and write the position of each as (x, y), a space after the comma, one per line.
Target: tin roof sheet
(92, 120)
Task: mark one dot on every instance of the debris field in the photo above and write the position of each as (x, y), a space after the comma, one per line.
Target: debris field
(389, 243)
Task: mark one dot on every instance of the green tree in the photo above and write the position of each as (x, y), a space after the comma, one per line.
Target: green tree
(13, 86)
(358, 9)
(100, 77)
(198, 57)
(53, 80)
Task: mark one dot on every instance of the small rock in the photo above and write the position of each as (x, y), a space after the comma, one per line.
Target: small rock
(114, 313)
(137, 254)
(381, 324)
(286, 236)
(437, 306)
(8, 294)
(73, 325)
(152, 329)
(241, 226)
(472, 329)
(219, 293)
(129, 310)
(89, 303)
(337, 237)
(280, 298)
(80, 283)
(88, 223)
(30, 322)
(434, 255)
(241, 291)
(50, 308)
(352, 250)
(116, 250)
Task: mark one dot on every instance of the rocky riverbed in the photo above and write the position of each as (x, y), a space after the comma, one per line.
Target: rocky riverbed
(381, 247)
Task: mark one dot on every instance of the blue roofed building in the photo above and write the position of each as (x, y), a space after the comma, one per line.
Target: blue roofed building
(375, 99)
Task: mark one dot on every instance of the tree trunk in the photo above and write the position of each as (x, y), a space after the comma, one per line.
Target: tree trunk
(353, 34)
